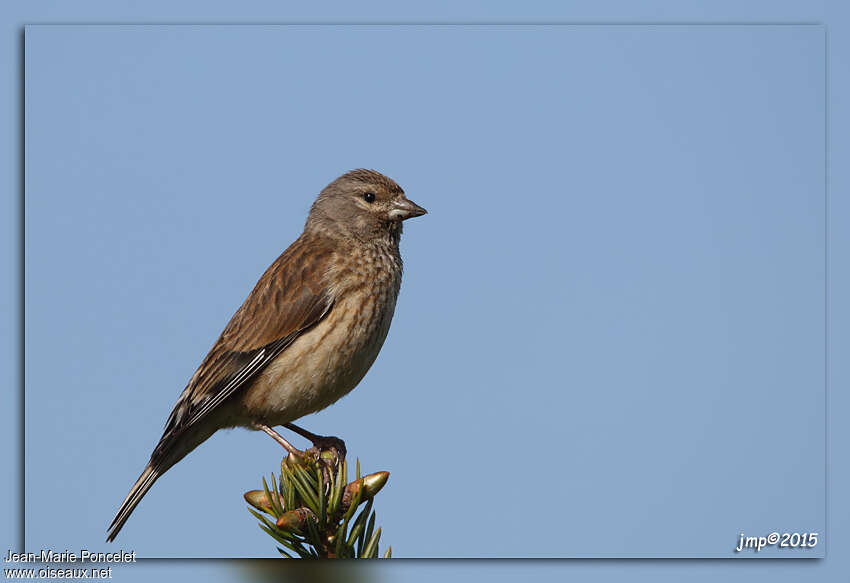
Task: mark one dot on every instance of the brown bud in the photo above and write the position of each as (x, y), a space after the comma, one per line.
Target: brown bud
(294, 520)
(294, 459)
(370, 485)
(257, 499)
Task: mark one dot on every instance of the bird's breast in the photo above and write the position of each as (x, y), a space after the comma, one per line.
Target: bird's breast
(327, 361)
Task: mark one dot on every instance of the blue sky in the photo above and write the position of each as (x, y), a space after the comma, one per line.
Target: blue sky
(623, 268)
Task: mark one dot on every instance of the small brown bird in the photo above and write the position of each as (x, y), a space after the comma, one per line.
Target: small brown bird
(306, 334)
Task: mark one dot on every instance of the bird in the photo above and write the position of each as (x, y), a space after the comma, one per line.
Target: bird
(306, 334)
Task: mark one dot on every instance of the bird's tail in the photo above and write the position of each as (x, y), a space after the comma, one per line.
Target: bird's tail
(172, 447)
(137, 492)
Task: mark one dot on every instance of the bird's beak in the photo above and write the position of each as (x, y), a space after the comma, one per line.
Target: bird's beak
(406, 209)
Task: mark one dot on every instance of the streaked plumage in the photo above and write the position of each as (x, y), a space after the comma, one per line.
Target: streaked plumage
(307, 333)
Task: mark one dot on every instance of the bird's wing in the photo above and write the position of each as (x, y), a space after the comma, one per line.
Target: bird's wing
(290, 297)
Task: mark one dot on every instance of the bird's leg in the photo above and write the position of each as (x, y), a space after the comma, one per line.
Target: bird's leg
(320, 442)
(279, 438)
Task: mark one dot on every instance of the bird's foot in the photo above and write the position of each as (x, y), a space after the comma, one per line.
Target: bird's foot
(328, 453)
(321, 442)
(331, 444)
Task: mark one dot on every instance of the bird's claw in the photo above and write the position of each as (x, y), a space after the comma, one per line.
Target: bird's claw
(333, 445)
(329, 463)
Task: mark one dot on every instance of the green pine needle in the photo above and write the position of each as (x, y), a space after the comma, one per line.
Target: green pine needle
(317, 515)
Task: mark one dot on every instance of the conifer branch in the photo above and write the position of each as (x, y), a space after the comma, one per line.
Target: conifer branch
(310, 511)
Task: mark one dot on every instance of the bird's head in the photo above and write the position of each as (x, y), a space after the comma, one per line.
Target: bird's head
(363, 204)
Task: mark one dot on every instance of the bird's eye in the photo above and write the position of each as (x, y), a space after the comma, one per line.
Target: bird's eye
(369, 197)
